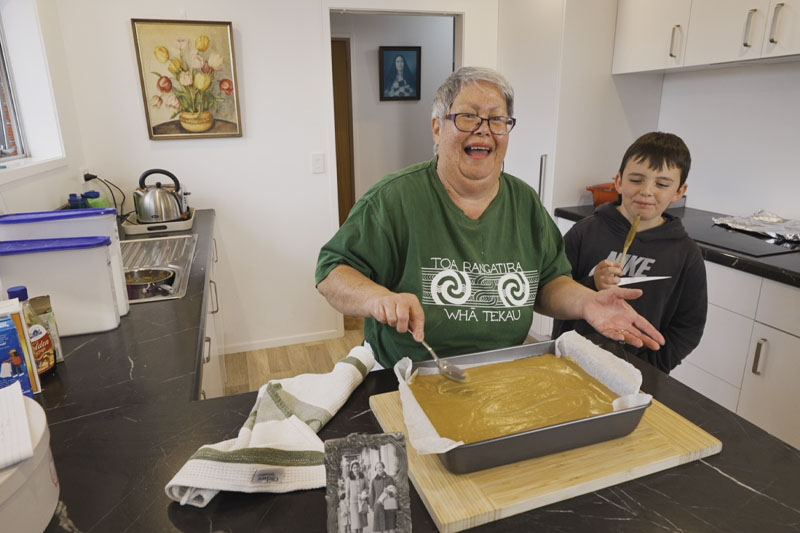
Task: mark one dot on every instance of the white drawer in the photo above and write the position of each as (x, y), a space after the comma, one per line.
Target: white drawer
(732, 289)
(709, 386)
(779, 306)
(722, 351)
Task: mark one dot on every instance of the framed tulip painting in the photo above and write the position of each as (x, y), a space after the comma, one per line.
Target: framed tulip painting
(188, 74)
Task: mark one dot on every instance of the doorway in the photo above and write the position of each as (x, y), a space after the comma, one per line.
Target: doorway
(343, 118)
(374, 137)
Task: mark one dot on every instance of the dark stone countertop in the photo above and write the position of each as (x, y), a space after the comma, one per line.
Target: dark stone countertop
(123, 420)
(783, 268)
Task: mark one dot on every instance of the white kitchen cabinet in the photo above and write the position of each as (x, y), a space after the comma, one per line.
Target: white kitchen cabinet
(721, 31)
(749, 358)
(650, 35)
(214, 377)
(782, 33)
(715, 368)
(661, 35)
(770, 394)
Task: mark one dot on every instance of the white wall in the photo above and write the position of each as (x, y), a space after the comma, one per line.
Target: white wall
(273, 214)
(742, 126)
(391, 135)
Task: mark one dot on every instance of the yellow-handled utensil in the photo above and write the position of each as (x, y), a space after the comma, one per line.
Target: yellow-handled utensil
(629, 239)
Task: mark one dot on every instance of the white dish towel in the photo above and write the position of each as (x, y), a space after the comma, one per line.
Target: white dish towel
(277, 449)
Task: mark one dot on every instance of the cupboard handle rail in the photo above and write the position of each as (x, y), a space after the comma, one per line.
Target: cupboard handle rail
(748, 28)
(773, 31)
(215, 255)
(542, 167)
(757, 358)
(207, 356)
(672, 40)
(216, 297)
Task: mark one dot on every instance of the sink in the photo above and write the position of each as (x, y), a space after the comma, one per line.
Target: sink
(173, 253)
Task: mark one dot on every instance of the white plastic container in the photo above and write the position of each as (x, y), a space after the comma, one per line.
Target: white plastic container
(75, 272)
(72, 223)
(29, 490)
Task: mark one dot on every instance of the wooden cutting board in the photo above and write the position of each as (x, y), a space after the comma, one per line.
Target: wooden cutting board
(662, 440)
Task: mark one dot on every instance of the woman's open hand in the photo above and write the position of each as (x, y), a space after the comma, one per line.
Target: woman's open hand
(609, 313)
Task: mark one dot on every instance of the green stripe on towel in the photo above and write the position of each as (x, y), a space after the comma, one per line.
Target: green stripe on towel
(289, 405)
(356, 362)
(262, 456)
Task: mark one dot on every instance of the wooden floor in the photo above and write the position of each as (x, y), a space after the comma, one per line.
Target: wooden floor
(247, 371)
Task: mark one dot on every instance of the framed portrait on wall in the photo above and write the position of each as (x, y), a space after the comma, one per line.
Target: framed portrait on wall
(400, 71)
(187, 70)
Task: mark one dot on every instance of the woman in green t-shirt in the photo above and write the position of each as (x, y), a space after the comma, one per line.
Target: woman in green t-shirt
(458, 252)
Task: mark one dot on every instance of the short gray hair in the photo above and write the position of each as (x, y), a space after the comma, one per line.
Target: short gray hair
(448, 92)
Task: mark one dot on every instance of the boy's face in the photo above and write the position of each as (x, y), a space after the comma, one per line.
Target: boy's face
(647, 192)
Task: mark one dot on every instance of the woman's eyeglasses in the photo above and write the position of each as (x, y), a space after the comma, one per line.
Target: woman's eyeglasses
(470, 123)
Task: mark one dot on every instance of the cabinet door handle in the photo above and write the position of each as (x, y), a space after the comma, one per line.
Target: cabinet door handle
(216, 297)
(757, 358)
(773, 30)
(748, 28)
(215, 255)
(207, 355)
(672, 41)
(542, 170)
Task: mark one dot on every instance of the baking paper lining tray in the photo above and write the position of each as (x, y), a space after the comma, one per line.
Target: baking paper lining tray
(536, 442)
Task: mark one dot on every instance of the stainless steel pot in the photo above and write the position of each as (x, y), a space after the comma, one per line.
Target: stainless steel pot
(148, 282)
(160, 203)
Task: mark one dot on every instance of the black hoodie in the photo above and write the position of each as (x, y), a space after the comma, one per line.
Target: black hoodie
(676, 305)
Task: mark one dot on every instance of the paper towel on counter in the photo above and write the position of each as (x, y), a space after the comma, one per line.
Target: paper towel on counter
(617, 374)
(15, 434)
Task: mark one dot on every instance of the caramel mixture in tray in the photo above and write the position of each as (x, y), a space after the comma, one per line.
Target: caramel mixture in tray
(510, 397)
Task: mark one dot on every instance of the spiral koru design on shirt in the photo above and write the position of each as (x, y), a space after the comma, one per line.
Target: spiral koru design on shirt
(513, 289)
(451, 287)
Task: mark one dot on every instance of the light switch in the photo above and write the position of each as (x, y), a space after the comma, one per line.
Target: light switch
(317, 163)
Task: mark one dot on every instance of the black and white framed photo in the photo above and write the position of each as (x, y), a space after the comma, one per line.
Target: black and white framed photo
(400, 70)
(367, 484)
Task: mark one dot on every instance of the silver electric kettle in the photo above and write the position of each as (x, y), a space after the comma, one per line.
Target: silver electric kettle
(160, 203)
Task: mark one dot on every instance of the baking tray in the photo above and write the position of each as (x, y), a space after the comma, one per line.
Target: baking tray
(536, 442)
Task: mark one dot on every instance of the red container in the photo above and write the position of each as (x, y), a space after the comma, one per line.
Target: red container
(603, 192)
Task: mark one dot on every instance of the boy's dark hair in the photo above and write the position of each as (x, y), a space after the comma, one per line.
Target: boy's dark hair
(659, 149)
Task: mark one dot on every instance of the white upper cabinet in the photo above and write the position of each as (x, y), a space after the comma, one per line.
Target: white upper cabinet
(782, 34)
(659, 35)
(651, 35)
(725, 30)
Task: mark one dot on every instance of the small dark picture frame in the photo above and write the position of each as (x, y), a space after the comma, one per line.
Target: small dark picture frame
(367, 483)
(400, 72)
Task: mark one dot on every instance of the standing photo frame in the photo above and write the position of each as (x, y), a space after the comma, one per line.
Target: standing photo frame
(400, 72)
(367, 483)
(187, 71)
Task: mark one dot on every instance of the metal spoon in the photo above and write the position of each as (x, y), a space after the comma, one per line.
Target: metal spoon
(448, 369)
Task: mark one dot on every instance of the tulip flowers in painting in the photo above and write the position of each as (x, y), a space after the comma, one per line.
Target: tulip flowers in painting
(187, 74)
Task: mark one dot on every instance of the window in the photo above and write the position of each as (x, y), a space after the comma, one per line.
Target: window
(11, 142)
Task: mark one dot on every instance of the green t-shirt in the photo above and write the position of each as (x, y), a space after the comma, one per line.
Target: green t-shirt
(476, 279)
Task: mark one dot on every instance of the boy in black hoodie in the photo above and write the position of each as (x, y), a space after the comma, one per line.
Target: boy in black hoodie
(663, 260)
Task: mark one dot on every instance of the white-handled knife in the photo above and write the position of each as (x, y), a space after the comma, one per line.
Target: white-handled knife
(640, 279)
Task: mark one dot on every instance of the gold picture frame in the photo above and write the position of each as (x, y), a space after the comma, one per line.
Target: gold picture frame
(187, 70)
